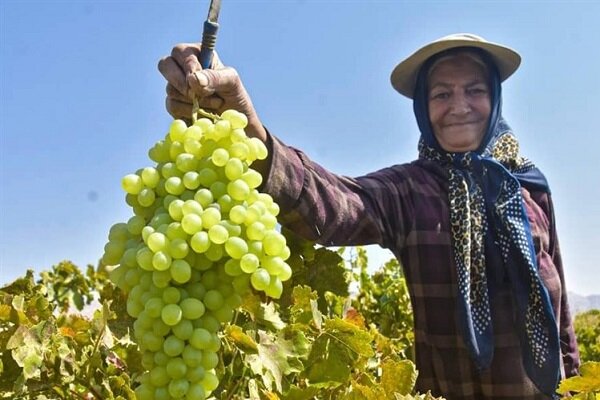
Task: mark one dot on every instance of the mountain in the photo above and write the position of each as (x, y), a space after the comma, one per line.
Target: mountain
(579, 303)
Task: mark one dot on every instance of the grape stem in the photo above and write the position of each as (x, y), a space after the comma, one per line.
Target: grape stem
(196, 110)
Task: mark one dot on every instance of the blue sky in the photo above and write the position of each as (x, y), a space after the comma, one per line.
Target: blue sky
(81, 101)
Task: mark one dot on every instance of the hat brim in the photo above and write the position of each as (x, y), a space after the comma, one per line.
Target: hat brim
(404, 75)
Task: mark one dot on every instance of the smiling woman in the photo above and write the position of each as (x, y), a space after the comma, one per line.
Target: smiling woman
(471, 220)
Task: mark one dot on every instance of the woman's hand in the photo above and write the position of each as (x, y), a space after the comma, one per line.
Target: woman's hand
(216, 89)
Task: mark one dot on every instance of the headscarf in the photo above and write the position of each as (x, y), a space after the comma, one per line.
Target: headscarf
(488, 218)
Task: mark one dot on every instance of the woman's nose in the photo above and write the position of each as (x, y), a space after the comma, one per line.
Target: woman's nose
(459, 105)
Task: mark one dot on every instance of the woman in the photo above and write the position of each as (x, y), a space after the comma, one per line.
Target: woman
(471, 221)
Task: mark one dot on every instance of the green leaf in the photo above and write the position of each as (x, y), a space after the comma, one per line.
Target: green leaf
(302, 310)
(398, 376)
(264, 313)
(296, 393)
(328, 364)
(27, 351)
(272, 360)
(588, 381)
(356, 339)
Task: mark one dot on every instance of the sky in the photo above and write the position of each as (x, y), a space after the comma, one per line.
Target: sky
(81, 102)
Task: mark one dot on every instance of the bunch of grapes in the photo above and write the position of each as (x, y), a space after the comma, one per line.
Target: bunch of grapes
(201, 236)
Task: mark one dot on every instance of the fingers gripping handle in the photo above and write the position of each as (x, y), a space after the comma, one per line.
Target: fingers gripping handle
(209, 39)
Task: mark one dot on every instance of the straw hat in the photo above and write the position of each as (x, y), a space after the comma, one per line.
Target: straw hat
(404, 76)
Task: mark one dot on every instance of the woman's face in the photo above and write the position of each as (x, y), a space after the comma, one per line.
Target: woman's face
(459, 102)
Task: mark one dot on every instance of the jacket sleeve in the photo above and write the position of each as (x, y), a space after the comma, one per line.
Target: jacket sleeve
(331, 209)
(568, 341)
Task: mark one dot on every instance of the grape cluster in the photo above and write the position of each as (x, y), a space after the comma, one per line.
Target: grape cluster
(201, 236)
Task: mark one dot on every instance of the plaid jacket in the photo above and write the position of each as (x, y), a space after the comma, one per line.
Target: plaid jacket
(404, 208)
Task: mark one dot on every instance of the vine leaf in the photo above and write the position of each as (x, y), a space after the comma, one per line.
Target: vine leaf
(398, 377)
(275, 359)
(244, 342)
(589, 381)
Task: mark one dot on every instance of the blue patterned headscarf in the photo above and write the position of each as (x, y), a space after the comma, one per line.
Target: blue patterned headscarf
(488, 218)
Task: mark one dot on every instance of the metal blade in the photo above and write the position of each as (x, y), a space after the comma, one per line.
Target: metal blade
(213, 11)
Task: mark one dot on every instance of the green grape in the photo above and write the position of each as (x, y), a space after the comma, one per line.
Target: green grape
(191, 223)
(218, 189)
(146, 197)
(274, 243)
(237, 214)
(132, 183)
(175, 150)
(177, 130)
(237, 119)
(192, 308)
(171, 314)
(275, 288)
(192, 146)
(171, 295)
(170, 170)
(285, 253)
(218, 234)
(207, 177)
(186, 162)
(232, 228)
(236, 247)
(260, 279)
(234, 300)
(192, 207)
(204, 197)
(200, 339)
(222, 128)
(151, 341)
(210, 381)
(135, 225)
(196, 290)
(194, 132)
(150, 177)
(175, 231)
(181, 271)
(224, 314)
(225, 203)
(148, 360)
(192, 356)
(159, 220)
(161, 261)
(174, 185)
(249, 263)
(154, 307)
(239, 150)
(113, 251)
(241, 283)
(161, 279)
(256, 231)
(260, 148)
(178, 388)
(173, 346)
(214, 252)
(130, 258)
(256, 247)
(202, 263)
(191, 180)
(178, 248)
(146, 231)
(195, 374)
(176, 209)
(144, 392)
(157, 241)
(195, 392)
(252, 178)
(213, 300)
(285, 273)
(176, 368)
(132, 277)
(273, 264)
(184, 329)
(232, 267)
(160, 329)
(210, 360)
(210, 216)
(238, 189)
(161, 393)
(200, 242)
(234, 168)
(160, 358)
(210, 323)
(269, 221)
(159, 376)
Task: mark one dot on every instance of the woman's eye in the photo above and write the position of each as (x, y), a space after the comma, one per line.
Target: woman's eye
(441, 95)
(477, 91)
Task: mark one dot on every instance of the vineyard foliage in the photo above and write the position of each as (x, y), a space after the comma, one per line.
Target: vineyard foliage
(67, 335)
(338, 332)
